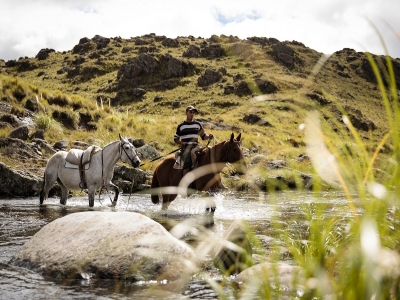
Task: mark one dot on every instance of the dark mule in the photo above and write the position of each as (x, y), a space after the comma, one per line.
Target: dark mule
(207, 176)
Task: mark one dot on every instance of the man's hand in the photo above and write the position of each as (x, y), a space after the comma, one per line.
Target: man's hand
(210, 136)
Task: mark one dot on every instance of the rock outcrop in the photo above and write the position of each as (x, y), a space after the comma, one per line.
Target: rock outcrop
(18, 183)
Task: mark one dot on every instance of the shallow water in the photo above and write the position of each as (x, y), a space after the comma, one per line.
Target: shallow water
(21, 218)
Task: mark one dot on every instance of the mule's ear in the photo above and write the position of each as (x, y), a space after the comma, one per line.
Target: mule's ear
(232, 136)
(239, 137)
(120, 136)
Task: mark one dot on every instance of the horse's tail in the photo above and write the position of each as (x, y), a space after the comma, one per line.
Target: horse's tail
(155, 185)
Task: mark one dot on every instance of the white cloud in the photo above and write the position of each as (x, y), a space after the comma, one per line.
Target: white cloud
(325, 26)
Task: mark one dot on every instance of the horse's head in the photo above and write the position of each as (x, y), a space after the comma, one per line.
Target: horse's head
(234, 154)
(129, 153)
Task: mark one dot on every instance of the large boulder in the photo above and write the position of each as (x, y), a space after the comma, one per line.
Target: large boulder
(18, 183)
(114, 245)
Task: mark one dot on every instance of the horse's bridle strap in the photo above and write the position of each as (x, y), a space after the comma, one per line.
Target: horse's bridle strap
(122, 147)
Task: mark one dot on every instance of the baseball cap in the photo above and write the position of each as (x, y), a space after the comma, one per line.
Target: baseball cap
(190, 107)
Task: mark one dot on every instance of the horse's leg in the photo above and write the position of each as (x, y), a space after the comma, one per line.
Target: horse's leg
(116, 191)
(91, 193)
(91, 199)
(43, 194)
(64, 192)
(155, 184)
(48, 180)
(165, 201)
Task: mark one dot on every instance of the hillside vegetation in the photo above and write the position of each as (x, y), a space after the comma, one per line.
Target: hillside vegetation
(139, 87)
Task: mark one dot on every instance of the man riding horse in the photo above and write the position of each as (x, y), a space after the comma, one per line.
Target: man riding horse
(186, 135)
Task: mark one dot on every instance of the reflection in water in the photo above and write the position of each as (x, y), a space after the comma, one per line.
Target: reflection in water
(268, 217)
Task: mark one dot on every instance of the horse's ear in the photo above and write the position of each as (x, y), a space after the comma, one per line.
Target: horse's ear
(239, 137)
(120, 136)
(232, 136)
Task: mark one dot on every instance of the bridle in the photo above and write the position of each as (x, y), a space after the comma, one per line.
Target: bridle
(228, 150)
(121, 147)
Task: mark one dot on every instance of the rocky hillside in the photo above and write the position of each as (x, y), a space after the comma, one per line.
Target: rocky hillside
(260, 86)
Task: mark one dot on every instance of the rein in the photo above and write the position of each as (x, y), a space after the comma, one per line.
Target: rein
(173, 151)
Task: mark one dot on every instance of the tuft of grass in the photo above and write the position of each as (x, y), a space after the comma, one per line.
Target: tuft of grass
(47, 123)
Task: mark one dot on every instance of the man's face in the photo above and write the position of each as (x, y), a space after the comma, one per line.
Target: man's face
(190, 114)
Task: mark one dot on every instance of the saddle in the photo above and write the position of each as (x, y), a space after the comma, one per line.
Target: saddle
(81, 158)
(180, 157)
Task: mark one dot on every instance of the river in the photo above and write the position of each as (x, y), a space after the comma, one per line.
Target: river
(21, 218)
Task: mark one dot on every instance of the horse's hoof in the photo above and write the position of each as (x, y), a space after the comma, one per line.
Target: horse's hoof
(114, 203)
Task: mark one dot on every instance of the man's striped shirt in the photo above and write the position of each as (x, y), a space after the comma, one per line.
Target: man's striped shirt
(189, 132)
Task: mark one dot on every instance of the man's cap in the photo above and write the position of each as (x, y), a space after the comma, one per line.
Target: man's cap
(190, 107)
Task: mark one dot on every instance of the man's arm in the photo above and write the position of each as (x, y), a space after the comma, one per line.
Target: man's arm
(204, 135)
(177, 138)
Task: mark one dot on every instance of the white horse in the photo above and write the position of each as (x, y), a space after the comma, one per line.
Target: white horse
(98, 174)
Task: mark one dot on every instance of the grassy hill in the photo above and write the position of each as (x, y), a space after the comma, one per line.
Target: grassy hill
(139, 87)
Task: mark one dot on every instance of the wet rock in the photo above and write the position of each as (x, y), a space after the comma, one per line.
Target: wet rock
(282, 275)
(199, 289)
(18, 183)
(108, 245)
(232, 253)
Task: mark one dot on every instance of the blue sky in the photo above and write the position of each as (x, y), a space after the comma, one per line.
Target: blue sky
(26, 26)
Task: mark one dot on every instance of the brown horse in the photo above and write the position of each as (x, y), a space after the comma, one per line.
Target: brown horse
(168, 182)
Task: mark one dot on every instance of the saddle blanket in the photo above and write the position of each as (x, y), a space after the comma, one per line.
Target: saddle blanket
(68, 165)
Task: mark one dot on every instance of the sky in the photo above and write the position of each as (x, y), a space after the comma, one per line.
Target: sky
(26, 26)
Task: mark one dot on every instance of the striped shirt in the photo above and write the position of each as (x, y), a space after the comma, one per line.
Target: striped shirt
(189, 132)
